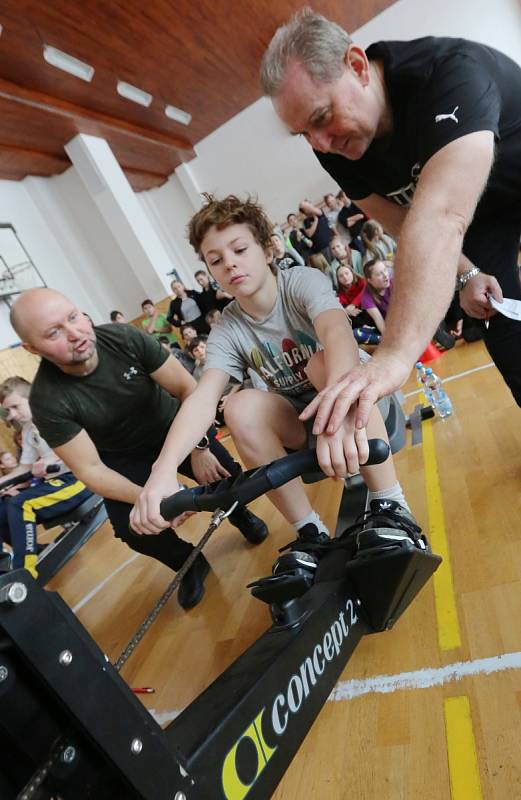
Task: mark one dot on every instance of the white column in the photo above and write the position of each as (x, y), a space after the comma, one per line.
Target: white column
(189, 183)
(108, 186)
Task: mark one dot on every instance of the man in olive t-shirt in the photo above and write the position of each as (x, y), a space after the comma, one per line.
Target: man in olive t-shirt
(104, 400)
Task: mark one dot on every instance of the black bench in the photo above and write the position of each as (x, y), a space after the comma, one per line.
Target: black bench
(77, 526)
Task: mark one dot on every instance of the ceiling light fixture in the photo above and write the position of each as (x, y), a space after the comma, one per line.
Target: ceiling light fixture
(134, 94)
(68, 63)
(178, 115)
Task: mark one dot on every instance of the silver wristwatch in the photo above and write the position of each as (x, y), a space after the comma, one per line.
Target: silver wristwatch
(464, 278)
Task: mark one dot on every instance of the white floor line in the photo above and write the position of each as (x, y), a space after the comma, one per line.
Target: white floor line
(419, 679)
(425, 678)
(103, 583)
(456, 376)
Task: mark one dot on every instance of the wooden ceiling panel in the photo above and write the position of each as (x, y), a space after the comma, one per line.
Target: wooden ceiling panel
(201, 57)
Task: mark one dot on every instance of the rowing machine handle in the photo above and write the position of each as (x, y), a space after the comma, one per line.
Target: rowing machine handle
(247, 486)
(23, 477)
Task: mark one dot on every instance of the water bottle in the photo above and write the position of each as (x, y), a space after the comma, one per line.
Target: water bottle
(441, 400)
(421, 375)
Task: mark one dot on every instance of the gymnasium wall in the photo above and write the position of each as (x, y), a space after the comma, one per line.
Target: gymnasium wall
(72, 245)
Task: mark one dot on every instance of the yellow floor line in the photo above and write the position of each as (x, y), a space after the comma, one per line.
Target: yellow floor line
(461, 748)
(446, 612)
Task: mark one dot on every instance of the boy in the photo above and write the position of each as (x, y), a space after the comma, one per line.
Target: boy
(291, 329)
(22, 508)
(155, 323)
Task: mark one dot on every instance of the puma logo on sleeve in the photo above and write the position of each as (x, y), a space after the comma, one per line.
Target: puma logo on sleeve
(441, 117)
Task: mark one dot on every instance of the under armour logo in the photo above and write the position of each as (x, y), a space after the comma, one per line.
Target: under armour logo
(129, 375)
(441, 117)
(385, 506)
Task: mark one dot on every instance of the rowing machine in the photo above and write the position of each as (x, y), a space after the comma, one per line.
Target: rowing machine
(71, 726)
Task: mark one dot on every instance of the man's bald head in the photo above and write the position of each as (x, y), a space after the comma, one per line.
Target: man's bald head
(30, 307)
(51, 326)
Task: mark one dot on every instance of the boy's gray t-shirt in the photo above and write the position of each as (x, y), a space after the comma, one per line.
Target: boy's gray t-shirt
(279, 346)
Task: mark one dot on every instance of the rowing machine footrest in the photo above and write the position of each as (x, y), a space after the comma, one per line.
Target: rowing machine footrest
(280, 588)
(387, 578)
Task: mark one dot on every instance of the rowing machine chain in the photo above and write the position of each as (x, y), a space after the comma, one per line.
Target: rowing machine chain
(59, 747)
(218, 517)
(38, 777)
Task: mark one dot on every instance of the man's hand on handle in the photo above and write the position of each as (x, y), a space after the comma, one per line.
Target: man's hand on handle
(145, 517)
(359, 388)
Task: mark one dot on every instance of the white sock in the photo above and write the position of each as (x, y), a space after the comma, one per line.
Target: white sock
(393, 493)
(314, 519)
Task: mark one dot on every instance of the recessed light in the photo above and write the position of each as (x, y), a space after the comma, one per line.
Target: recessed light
(134, 94)
(178, 115)
(68, 63)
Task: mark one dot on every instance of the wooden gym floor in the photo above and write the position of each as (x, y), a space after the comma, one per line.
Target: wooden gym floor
(452, 730)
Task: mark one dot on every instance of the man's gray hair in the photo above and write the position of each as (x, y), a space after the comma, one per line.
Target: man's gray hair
(319, 44)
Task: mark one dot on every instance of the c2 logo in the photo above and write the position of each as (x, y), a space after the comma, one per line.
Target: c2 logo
(234, 788)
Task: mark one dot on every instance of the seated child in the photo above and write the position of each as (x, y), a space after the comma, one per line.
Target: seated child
(188, 332)
(290, 328)
(377, 293)
(281, 259)
(45, 498)
(344, 256)
(378, 245)
(155, 323)
(197, 349)
(350, 291)
(8, 462)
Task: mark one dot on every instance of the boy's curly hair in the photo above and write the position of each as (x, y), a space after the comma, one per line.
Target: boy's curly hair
(229, 211)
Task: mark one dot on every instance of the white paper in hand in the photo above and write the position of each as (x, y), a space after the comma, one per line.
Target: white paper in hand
(509, 307)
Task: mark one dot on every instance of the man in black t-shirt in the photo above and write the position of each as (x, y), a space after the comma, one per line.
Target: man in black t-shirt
(425, 136)
(104, 400)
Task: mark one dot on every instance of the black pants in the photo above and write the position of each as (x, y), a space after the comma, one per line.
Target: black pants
(493, 245)
(166, 546)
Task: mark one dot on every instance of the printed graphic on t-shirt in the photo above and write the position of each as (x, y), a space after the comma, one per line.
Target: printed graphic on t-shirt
(403, 196)
(283, 365)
